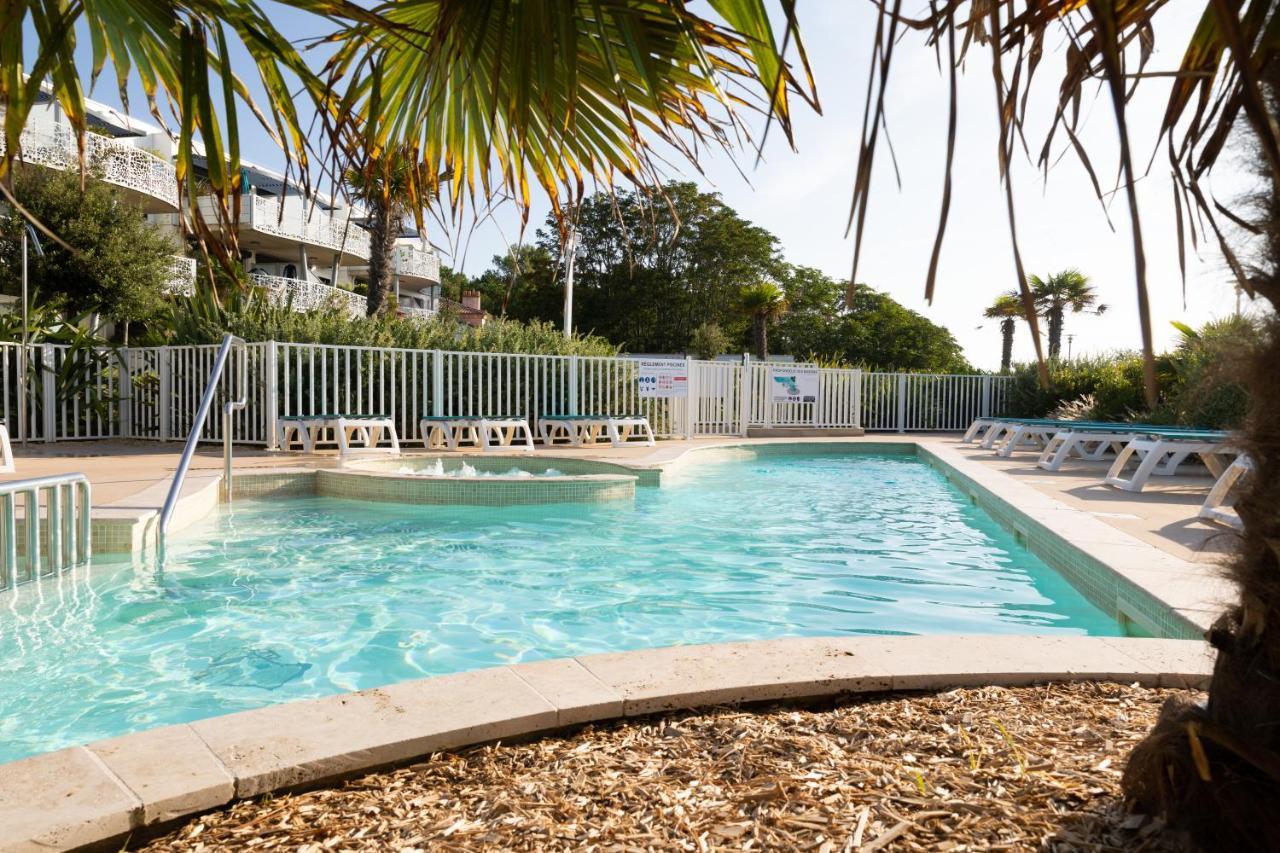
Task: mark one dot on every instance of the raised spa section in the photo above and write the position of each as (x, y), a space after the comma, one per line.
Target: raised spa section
(485, 481)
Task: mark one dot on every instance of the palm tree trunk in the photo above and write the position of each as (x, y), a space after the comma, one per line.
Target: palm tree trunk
(762, 337)
(1054, 316)
(1007, 326)
(384, 227)
(1215, 769)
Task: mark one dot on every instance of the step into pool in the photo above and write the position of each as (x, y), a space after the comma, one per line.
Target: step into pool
(287, 598)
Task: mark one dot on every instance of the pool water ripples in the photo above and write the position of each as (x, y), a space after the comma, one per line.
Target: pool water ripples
(300, 597)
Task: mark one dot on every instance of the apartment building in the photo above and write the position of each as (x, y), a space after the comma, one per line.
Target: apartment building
(307, 250)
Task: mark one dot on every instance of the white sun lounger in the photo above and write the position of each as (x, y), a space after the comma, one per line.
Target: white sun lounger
(1091, 445)
(630, 430)
(500, 433)
(574, 430)
(978, 429)
(1218, 506)
(6, 450)
(351, 432)
(1162, 455)
(449, 431)
(1014, 436)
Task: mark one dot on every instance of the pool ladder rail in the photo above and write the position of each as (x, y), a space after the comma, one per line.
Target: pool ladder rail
(229, 341)
(53, 541)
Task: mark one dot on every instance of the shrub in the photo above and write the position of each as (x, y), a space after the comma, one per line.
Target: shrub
(203, 319)
(708, 341)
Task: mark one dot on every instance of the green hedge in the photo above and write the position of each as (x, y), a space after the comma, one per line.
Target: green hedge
(1199, 381)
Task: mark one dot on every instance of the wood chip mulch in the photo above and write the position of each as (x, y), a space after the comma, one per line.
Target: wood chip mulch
(1034, 768)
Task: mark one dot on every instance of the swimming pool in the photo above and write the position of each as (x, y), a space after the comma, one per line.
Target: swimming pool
(300, 597)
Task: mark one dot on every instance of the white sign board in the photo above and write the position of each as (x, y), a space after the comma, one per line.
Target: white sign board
(789, 384)
(663, 377)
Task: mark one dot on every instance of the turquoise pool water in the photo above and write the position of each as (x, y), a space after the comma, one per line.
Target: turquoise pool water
(290, 598)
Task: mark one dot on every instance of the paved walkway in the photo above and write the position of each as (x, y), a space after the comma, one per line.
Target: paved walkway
(1164, 515)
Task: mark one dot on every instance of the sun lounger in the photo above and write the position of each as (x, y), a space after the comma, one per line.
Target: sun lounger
(6, 450)
(575, 430)
(449, 431)
(1162, 452)
(1218, 506)
(1088, 443)
(351, 432)
(627, 430)
(499, 433)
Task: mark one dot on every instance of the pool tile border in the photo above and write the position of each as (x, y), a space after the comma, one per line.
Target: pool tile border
(96, 796)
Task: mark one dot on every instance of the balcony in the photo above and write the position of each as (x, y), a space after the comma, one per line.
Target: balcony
(309, 295)
(182, 276)
(150, 180)
(294, 219)
(415, 262)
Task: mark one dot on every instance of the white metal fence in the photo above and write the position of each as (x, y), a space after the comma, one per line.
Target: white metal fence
(153, 392)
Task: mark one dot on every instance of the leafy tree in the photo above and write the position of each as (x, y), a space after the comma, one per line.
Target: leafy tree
(709, 341)
(1007, 309)
(452, 283)
(1054, 296)
(763, 303)
(523, 285)
(649, 270)
(117, 264)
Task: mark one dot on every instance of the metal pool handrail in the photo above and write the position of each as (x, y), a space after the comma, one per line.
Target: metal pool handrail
(210, 389)
(67, 514)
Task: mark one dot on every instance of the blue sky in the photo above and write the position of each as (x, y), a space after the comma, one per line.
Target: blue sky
(803, 196)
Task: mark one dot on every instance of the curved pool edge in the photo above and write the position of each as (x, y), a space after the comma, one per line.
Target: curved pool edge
(98, 795)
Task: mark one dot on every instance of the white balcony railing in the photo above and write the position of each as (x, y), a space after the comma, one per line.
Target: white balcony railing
(417, 311)
(309, 295)
(182, 276)
(414, 261)
(296, 218)
(53, 145)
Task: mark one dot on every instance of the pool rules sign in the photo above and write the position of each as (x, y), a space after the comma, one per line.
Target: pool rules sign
(788, 384)
(663, 377)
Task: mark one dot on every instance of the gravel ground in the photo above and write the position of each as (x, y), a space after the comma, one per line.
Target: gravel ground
(1034, 768)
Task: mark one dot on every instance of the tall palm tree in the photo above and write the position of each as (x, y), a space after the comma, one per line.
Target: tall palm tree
(1060, 292)
(1007, 309)
(385, 186)
(764, 303)
(1214, 768)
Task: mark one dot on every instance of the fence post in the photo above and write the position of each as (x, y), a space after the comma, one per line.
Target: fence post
(271, 405)
(986, 397)
(902, 402)
(857, 399)
(690, 399)
(746, 388)
(164, 396)
(437, 384)
(124, 405)
(49, 378)
(573, 385)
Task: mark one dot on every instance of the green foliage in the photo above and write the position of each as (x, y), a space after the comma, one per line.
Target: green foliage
(872, 330)
(119, 265)
(202, 319)
(1199, 382)
(650, 270)
(709, 341)
(523, 285)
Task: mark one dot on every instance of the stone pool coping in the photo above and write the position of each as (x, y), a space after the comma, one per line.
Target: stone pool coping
(98, 795)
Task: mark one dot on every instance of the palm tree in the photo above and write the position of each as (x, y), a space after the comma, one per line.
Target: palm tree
(1007, 309)
(1069, 289)
(763, 303)
(384, 186)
